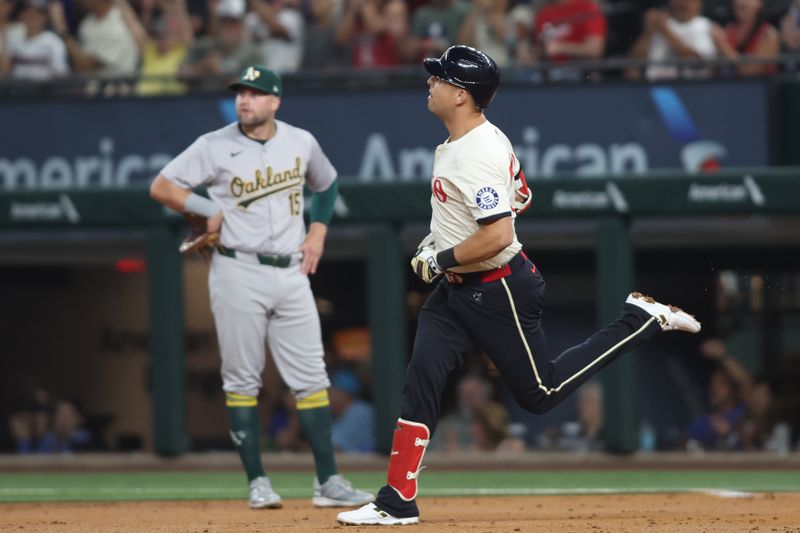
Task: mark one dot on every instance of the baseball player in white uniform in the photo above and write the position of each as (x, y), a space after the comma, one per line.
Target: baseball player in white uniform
(254, 171)
(488, 294)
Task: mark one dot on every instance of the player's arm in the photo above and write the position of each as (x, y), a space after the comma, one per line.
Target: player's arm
(491, 238)
(484, 186)
(322, 204)
(182, 200)
(321, 179)
(194, 167)
(487, 241)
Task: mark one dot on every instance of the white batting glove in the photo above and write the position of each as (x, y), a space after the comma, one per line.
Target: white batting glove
(522, 193)
(424, 262)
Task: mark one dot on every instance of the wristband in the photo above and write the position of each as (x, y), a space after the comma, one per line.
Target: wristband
(447, 258)
(200, 205)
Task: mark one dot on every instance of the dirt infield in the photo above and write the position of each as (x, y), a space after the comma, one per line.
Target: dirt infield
(611, 513)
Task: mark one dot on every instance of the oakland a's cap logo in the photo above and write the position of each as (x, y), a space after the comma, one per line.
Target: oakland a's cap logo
(261, 79)
(251, 74)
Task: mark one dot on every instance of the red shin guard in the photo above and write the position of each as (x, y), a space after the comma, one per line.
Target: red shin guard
(408, 447)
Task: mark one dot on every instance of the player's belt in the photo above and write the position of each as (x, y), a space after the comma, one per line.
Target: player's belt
(280, 261)
(487, 276)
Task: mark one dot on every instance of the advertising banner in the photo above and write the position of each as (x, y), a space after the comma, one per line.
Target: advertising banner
(390, 137)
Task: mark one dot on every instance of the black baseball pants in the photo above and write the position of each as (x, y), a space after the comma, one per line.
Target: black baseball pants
(503, 318)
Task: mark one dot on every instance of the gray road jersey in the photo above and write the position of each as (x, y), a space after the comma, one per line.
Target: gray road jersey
(259, 187)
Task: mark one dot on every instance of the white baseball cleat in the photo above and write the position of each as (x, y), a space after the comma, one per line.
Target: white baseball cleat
(262, 496)
(338, 492)
(670, 318)
(371, 515)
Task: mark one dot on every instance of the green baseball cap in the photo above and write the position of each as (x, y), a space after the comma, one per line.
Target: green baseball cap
(261, 79)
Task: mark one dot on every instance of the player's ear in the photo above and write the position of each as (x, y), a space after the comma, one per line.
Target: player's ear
(276, 103)
(462, 97)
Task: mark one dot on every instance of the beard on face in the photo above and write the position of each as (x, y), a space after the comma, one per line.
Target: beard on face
(251, 120)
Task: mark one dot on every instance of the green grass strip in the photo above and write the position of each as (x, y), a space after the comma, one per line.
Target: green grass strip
(111, 486)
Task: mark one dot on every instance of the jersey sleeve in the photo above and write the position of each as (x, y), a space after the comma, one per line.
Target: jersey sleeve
(193, 167)
(484, 184)
(320, 172)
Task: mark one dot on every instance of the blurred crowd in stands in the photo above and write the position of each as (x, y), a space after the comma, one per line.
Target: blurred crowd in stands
(741, 413)
(48, 424)
(173, 45)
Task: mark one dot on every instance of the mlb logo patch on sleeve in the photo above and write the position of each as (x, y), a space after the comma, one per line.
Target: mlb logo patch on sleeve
(487, 198)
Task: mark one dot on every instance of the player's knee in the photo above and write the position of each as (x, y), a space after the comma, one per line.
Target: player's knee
(536, 402)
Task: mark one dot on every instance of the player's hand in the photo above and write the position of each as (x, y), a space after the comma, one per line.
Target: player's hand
(312, 247)
(203, 234)
(522, 193)
(424, 264)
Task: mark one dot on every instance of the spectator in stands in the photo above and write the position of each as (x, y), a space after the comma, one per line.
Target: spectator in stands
(49, 425)
(353, 418)
(762, 418)
(488, 27)
(105, 44)
(6, 24)
(320, 47)
(32, 52)
(490, 431)
(377, 32)
(590, 413)
(149, 11)
(227, 51)
(567, 30)
(680, 33)
(790, 28)
(729, 387)
(583, 433)
(434, 27)
(455, 431)
(749, 36)
(521, 18)
(759, 428)
(164, 50)
(278, 29)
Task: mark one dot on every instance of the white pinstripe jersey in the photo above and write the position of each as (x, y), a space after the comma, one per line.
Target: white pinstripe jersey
(472, 183)
(258, 186)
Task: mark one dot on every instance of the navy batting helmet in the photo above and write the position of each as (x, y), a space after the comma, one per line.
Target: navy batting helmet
(468, 68)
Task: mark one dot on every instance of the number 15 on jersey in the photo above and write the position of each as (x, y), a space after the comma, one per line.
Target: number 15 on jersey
(294, 202)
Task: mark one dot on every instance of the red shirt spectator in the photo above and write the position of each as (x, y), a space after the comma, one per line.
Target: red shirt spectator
(371, 51)
(376, 30)
(570, 29)
(750, 36)
(752, 45)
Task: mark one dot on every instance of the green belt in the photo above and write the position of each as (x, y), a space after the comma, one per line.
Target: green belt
(280, 261)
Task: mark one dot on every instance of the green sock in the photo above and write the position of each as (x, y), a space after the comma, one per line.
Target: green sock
(246, 437)
(316, 423)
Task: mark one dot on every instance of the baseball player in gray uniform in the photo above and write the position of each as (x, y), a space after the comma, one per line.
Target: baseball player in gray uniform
(254, 171)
